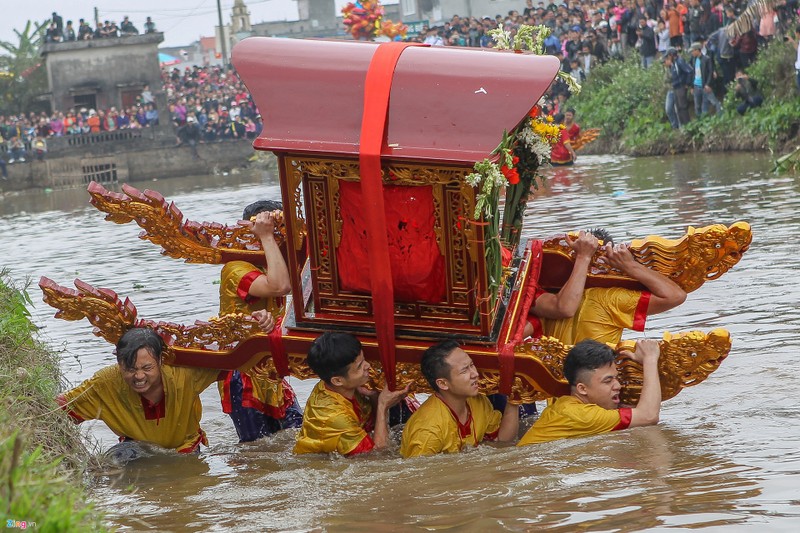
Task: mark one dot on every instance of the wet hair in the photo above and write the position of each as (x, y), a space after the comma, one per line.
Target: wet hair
(586, 356)
(602, 234)
(259, 207)
(331, 353)
(134, 340)
(433, 364)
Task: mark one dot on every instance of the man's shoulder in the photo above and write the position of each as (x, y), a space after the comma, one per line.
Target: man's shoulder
(105, 381)
(232, 268)
(433, 413)
(572, 408)
(108, 374)
(481, 401)
(330, 405)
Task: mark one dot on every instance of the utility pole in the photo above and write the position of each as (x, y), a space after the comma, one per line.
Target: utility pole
(222, 35)
(96, 18)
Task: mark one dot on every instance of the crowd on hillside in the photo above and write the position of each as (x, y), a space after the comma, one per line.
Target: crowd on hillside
(57, 32)
(210, 103)
(685, 35)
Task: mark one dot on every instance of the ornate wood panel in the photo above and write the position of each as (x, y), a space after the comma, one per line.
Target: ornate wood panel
(459, 241)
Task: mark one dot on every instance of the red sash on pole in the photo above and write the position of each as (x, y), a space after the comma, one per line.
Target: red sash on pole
(377, 87)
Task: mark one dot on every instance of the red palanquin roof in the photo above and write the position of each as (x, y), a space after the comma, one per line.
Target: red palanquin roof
(447, 104)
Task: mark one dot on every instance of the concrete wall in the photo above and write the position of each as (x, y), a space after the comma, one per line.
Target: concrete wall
(140, 159)
(106, 67)
(478, 8)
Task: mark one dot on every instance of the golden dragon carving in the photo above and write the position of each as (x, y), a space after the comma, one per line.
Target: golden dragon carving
(585, 138)
(164, 225)
(112, 317)
(702, 254)
(686, 358)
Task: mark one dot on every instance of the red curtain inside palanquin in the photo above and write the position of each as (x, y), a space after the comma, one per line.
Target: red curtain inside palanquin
(417, 264)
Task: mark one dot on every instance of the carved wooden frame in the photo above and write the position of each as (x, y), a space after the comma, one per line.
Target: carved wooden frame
(311, 197)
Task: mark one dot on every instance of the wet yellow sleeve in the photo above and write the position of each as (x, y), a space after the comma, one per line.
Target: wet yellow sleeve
(88, 399)
(328, 426)
(490, 416)
(571, 419)
(419, 440)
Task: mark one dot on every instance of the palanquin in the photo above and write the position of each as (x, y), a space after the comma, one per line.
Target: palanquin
(420, 133)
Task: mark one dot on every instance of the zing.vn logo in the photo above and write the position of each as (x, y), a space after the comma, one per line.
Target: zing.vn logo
(19, 524)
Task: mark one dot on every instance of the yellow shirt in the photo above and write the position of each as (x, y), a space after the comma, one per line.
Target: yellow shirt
(568, 417)
(235, 280)
(333, 423)
(434, 428)
(602, 315)
(263, 392)
(174, 423)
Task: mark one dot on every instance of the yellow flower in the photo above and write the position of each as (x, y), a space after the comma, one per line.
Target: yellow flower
(549, 118)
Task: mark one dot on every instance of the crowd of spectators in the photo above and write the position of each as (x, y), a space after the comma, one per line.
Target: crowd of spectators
(585, 33)
(57, 32)
(208, 104)
(211, 102)
(205, 104)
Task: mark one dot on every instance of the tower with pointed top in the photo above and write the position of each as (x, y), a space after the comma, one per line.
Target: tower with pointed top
(240, 19)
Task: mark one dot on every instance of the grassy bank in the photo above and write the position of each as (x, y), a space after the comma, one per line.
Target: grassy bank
(627, 102)
(42, 457)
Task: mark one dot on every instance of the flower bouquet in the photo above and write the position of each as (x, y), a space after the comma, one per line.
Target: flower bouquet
(514, 164)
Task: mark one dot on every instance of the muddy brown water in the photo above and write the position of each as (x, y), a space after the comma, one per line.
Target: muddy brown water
(725, 457)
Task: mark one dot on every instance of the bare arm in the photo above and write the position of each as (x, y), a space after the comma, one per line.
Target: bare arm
(665, 293)
(276, 282)
(509, 426)
(386, 400)
(565, 303)
(568, 146)
(647, 410)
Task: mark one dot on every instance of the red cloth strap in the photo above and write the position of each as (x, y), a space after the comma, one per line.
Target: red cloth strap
(226, 396)
(279, 357)
(506, 362)
(506, 355)
(377, 87)
(532, 289)
(640, 315)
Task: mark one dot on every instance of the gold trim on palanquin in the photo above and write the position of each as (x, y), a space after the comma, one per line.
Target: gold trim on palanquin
(686, 358)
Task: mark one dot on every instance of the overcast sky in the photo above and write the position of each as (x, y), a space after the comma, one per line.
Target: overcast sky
(182, 21)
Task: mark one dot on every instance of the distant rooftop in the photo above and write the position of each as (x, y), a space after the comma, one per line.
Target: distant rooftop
(144, 38)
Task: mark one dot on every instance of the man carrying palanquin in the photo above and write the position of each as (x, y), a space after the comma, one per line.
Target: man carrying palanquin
(258, 404)
(457, 414)
(593, 405)
(340, 413)
(140, 399)
(575, 314)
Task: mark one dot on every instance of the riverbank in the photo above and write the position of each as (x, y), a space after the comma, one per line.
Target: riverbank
(130, 156)
(627, 102)
(42, 456)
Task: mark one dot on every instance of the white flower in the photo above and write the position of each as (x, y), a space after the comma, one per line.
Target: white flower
(474, 179)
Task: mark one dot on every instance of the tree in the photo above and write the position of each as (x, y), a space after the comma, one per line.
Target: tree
(22, 74)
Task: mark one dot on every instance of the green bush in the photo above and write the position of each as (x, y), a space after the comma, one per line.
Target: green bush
(623, 99)
(42, 456)
(627, 103)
